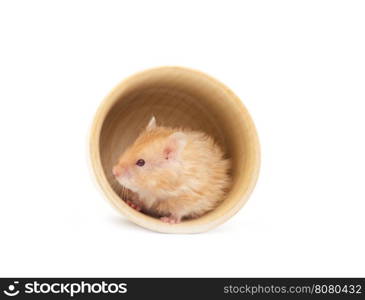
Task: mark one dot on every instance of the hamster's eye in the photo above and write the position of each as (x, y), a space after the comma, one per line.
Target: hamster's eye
(140, 163)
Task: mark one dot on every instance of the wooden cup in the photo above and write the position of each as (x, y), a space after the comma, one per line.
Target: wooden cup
(177, 97)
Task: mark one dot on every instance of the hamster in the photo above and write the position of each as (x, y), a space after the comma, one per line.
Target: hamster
(173, 173)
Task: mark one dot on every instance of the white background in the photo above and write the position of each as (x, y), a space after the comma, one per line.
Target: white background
(299, 67)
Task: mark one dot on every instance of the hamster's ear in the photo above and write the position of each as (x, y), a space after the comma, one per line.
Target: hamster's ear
(151, 124)
(175, 144)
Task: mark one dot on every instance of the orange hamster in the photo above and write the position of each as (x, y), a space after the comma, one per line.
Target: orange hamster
(173, 173)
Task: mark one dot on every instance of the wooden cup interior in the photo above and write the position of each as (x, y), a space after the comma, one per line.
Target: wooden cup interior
(177, 97)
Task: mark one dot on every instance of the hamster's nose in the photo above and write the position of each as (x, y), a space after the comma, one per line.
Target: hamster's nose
(117, 171)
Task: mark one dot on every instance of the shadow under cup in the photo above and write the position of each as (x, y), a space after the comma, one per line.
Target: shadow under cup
(177, 97)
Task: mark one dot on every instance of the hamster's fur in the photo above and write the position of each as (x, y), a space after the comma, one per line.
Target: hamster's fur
(175, 173)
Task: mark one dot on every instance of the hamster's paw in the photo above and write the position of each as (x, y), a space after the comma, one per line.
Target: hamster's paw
(131, 204)
(170, 220)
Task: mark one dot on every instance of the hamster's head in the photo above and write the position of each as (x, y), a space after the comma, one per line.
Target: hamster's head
(153, 162)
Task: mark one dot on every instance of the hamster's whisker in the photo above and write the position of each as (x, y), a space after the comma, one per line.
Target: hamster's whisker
(123, 193)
